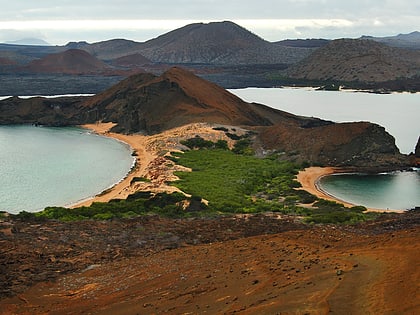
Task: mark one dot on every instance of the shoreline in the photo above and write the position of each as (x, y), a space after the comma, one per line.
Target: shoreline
(150, 161)
(310, 177)
(123, 188)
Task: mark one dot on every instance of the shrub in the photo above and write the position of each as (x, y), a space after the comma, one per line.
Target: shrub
(197, 143)
(221, 129)
(242, 146)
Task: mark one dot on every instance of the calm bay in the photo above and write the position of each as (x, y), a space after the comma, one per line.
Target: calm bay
(397, 112)
(43, 166)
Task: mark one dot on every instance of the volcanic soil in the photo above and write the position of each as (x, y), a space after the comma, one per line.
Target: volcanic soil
(245, 264)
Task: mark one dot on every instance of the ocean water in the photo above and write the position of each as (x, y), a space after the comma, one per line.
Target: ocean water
(42, 166)
(397, 112)
(396, 190)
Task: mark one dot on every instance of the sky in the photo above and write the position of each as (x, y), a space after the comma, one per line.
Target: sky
(61, 21)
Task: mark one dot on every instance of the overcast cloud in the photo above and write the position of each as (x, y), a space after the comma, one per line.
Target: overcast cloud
(58, 22)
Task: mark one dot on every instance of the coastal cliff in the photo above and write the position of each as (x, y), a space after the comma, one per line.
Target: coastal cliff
(417, 150)
(360, 144)
(151, 104)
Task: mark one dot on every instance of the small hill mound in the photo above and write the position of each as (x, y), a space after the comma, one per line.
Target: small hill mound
(7, 62)
(111, 49)
(349, 60)
(133, 60)
(72, 61)
(410, 41)
(152, 104)
(303, 43)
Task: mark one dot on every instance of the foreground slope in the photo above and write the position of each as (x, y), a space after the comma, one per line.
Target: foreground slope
(255, 264)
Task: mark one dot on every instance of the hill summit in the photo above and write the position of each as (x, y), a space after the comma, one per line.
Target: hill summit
(149, 103)
(72, 61)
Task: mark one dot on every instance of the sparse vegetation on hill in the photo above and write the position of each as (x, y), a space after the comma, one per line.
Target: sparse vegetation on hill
(351, 60)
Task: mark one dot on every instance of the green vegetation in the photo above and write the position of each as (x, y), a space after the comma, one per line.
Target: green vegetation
(332, 212)
(140, 179)
(169, 205)
(246, 184)
(199, 143)
(231, 181)
(237, 183)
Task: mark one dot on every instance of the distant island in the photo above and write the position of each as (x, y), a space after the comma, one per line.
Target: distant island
(222, 52)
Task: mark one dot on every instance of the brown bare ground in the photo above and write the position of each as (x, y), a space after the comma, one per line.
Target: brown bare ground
(247, 265)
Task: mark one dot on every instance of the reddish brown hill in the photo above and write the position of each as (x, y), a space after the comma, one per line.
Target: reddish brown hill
(72, 61)
(148, 103)
(6, 62)
(131, 61)
(218, 43)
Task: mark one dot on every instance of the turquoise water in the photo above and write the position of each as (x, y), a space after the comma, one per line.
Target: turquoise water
(42, 166)
(396, 190)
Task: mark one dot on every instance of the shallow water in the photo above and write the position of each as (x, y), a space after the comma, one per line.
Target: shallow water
(396, 190)
(42, 166)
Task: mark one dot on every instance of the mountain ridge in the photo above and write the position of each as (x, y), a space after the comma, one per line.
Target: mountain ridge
(409, 40)
(232, 56)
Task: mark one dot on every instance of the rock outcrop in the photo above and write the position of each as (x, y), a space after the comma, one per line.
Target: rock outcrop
(417, 150)
(61, 111)
(343, 144)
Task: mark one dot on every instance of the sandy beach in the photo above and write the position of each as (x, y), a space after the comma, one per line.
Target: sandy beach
(310, 176)
(151, 164)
